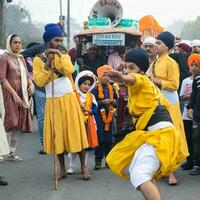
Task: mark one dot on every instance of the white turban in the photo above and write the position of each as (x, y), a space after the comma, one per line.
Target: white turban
(90, 45)
(149, 41)
(195, 43)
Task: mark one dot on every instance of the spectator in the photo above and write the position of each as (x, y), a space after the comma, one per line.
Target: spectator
(17, 87)
(194, 112)
(92, 61)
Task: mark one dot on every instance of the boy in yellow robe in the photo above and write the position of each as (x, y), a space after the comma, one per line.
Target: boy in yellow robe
(153, 149)
(70, 134)
(164, 72)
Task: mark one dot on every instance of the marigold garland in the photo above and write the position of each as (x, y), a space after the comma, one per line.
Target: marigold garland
(88, 105)
(106, 119)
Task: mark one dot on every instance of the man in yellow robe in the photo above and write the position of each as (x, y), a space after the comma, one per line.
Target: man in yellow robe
(153, 149)
(62, 109)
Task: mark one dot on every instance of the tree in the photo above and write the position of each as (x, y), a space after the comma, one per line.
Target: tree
(18, 21)
(186, 30)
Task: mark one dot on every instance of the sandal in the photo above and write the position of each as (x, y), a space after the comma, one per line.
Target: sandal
(13, 157)
(172, 180)
(86, 174)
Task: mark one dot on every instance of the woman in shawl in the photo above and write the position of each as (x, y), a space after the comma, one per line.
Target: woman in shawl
(16, 88)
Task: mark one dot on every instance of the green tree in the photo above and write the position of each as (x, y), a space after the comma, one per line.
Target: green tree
(191, 29)
(18, 21)
(186, 30)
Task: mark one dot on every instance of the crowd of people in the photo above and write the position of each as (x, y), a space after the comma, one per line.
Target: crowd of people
(85, 100)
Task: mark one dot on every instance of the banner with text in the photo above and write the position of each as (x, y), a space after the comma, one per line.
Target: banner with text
(109, 39)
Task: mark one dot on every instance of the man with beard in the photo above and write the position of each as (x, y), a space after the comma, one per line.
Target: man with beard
(149, 46)
(195, 44)
(92, 61)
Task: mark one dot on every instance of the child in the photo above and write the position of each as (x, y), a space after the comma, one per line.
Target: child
(106, 98)
(185, 92)
(153, 149)
(194, 112)
(85, 82)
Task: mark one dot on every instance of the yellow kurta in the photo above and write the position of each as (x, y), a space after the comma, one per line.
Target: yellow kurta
(167, 70)
(143, 99)
(70, 134)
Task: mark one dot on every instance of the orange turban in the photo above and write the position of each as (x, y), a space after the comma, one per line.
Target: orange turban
(194, 58)
(103, 69)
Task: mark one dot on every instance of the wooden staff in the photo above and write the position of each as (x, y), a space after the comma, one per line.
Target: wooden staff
(55, 159)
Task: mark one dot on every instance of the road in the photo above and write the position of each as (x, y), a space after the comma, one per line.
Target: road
(32, 179)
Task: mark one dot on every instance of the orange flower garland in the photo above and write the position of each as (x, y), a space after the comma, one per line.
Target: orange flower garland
(88, 105)
(106, 119)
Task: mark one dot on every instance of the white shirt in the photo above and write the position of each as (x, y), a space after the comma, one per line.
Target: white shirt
(186, 89)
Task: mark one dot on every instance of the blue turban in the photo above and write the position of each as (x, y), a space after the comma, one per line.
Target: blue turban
(52, 31)
(167, 38)
(138, 56)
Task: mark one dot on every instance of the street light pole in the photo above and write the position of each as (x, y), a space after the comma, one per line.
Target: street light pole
(1, 23)
(60, 9)
(68, 24)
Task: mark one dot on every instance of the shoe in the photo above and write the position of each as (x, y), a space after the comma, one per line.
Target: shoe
(187, 166)
(3, 182)
(42, 152)
(13, 157)
(97, 165)
(195, 170)
(70, 171)
(1, 159)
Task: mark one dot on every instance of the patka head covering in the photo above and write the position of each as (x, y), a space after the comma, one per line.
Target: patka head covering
(103, 69)
(195, 43)
(52, 31)
(85, 78)
(149, 41)
(194, 58)
(139, 57)
(167, 38)
(184, 47)
(85, 75)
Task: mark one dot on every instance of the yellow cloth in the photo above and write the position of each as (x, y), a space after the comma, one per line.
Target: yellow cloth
(175, 113)
(42, 76)
(142, 102)
(70, 133)
(165, 140)
(167, 70)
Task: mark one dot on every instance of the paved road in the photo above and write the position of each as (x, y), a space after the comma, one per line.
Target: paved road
(32, 179)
